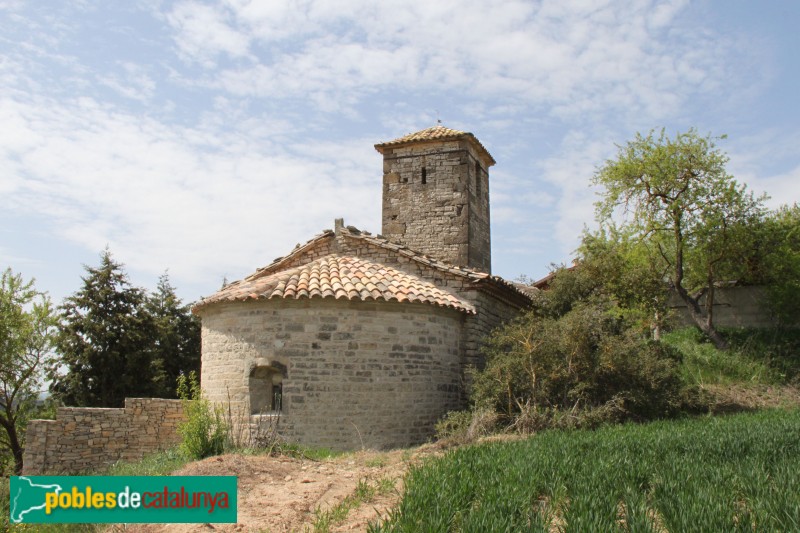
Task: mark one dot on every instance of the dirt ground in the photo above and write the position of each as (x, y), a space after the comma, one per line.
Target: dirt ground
(285, 494)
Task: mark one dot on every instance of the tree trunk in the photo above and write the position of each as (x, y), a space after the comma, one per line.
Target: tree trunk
(657, 327)
(704, 324)
(14, 444)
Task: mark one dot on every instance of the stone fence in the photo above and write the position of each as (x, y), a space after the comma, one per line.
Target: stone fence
(744, 306)
(82, 439)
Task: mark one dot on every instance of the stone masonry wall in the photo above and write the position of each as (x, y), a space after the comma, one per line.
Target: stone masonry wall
(82, 439)
(436, 200)
(372, 374)
(491, 313)
(733, 307)
(492, 310)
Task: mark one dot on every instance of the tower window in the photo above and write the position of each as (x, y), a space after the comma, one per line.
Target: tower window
(424, 175)
(477, 178)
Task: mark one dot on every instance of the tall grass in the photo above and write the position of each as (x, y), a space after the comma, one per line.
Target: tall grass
(764, 357)
(158, 464)
(735, 473)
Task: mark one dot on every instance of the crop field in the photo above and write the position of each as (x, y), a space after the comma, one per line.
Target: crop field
(736, 473)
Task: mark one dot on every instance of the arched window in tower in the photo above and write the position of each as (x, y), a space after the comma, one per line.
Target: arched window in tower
(424, 175)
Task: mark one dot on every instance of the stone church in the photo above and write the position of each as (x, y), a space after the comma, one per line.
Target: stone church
(362, 340)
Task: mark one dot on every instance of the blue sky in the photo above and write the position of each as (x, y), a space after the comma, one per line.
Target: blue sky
(208, 138)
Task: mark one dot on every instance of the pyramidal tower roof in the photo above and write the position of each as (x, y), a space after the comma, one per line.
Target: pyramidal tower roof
(434, 134)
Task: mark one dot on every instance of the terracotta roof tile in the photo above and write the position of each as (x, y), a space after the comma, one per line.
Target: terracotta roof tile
(342, 277)
(436, 133)
(377, 280)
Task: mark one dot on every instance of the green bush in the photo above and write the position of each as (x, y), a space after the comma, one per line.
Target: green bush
(205, 431)
(587, 359)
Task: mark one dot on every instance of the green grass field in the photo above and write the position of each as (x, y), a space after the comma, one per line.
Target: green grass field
(736, 473)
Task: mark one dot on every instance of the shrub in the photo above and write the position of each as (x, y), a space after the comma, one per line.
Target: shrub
(204, 433)
(587, 359)
(462, 427)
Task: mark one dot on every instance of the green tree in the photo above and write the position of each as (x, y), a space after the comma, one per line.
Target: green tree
(774, 261)
(176, 346)
(105, 341)
(26, 337)
(675, 197)
(620, 268)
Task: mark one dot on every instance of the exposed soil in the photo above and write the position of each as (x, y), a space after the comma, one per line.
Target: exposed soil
(285, 494)
(282, 494)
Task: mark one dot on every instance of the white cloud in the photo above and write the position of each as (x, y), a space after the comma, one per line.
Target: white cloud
(134, 82)
(200, 203)
(570, 170)
(576, 57)
(204, 32)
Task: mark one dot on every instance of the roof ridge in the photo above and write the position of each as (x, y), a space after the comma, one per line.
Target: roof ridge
(298, 249)
(411, 253)
(476, 276)
(437, 132)
(473, 274)
(341, 276)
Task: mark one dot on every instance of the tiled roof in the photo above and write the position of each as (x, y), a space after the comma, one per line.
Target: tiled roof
(419, 257)
(436, 133)
(340, 277)
(529, 290)
(276, 263)
(350, 232)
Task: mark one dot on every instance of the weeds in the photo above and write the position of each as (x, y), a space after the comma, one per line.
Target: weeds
(375, 462)
(204, 433)
(758, 357)
(363, 493)
(157, 464)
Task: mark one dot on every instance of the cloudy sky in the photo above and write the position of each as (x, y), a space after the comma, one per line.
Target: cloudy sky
(207, 138)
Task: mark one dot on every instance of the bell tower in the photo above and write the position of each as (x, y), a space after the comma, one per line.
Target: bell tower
(436, 195)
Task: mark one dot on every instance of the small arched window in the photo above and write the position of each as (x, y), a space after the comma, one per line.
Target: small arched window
(266, 389)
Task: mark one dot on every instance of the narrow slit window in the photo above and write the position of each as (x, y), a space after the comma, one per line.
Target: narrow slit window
(424, 175)
(477, 178)
(266, 390)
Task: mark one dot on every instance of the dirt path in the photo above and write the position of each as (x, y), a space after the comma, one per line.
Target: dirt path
(283, 494)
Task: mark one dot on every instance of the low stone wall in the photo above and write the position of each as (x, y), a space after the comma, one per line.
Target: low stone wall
(740, 307)
(82, 439)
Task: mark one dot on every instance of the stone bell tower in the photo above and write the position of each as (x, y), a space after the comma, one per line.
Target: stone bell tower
(436, 195)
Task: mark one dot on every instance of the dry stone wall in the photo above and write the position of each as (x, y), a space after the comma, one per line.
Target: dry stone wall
(83, 439)
(371, 374)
